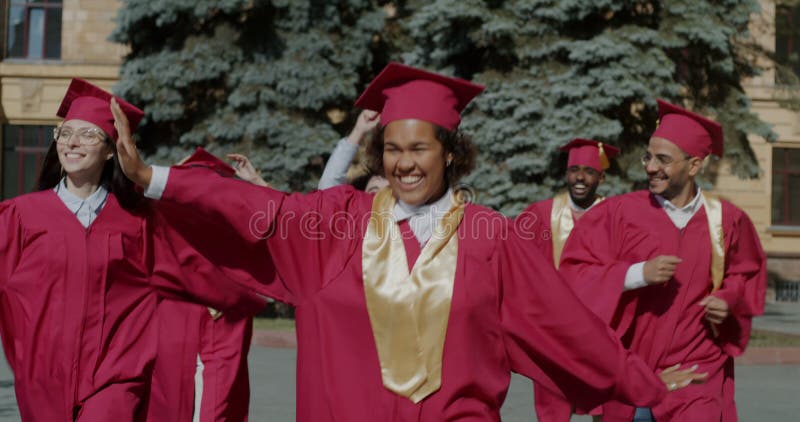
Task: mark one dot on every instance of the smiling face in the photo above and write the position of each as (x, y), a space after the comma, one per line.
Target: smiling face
(80, 161)
(414, 161)
(582, 182)
(669, 169)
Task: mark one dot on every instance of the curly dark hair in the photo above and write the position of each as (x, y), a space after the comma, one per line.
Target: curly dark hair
(455, 142)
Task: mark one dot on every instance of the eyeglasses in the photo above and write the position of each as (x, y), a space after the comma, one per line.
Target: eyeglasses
(88, 136)
(661, 160)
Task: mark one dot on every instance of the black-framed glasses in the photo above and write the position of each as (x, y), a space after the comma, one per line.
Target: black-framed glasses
(87, 136)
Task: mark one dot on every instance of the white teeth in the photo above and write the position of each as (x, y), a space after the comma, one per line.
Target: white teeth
(410, 180)
(580, 186)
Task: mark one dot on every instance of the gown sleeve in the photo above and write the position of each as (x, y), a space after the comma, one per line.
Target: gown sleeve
(590, 265)
(743, 286)
(553, 338)
(265, 241)
(533, 224)
(11, 244)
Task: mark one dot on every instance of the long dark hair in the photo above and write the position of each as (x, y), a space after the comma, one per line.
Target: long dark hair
(112, 178)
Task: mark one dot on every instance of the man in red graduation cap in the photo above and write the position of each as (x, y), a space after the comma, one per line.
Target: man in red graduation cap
(676, 271)
(550, 222)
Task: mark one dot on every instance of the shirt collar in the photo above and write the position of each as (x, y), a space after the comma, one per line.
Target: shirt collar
(576, 207)
(95, 201)
(403, 211)
(691, 207)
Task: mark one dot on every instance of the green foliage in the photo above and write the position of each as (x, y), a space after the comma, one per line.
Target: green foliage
(266, 78)
(560, 69)
(258, 77)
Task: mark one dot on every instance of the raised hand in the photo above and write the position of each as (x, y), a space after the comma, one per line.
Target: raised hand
(128, 156)
(245, 170)
(366, 122)
(660, 269)
(675, 378)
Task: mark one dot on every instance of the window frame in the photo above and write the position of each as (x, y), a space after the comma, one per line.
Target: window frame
(783, 173)
(22, 151)
(46, 5)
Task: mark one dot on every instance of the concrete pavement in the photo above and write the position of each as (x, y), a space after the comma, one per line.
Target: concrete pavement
(764, 393)
(782, 317)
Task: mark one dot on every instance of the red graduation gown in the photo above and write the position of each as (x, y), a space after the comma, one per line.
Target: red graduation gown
(76, 310)
(664, 324)
(536, 221)
(77, 307)
(186, 330)
(504, 297)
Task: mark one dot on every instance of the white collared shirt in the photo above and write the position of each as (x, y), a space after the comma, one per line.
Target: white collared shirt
(86, 210)
(681, 216)
(634, 277)
(423, 218)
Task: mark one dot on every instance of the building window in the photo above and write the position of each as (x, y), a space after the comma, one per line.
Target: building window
(24, 148)
(34, 29)
(786, 186)
(787, 39)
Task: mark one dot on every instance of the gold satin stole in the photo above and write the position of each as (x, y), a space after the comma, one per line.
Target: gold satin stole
(561, 223)
(714, 213)
(408, 311)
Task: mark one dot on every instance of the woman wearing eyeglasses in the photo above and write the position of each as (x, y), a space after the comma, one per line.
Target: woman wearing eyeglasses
(79, 268)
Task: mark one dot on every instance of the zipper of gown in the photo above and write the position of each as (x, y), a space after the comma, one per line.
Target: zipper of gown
(76, 379)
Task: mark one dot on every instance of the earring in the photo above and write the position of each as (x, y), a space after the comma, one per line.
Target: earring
(448, 162)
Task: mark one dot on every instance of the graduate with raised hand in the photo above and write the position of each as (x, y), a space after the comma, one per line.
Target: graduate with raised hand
(77, 291)
(676, 271)
(411, 305)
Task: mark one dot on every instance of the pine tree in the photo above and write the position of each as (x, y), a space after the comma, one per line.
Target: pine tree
(277, 79)
(272, 79)
(560, 69)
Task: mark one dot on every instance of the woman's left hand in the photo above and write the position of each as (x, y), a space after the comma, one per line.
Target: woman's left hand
(129, 159)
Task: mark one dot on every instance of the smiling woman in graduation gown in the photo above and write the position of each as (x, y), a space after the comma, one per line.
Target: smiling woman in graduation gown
(77, 284)
(398, 318)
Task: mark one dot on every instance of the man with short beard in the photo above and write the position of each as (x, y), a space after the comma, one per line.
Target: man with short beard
(550, 222)
(677, 272)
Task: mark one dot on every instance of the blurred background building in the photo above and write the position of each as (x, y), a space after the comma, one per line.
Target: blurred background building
(44, 44)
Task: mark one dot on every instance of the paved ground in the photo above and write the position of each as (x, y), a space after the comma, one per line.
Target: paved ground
(781, 317)
(764, 393)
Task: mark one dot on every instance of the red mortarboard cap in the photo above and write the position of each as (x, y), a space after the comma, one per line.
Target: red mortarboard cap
(586, 152)
(87, 102)
(203, 158)
(691, 132)
(403, 92)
